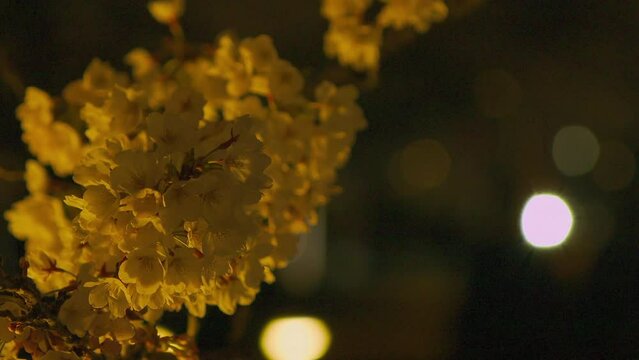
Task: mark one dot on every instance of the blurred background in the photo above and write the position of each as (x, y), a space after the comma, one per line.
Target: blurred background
(422, 256)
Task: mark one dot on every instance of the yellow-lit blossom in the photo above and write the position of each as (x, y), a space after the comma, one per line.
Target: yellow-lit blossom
(173, 132)
(39, 219)
(53, 142)
(76, 313)
(284, 80)
(109, 293)
(37, 109)
(419, 14)
(339, 9)
(136, 171)
(184, 271)
(192, 179)
(166, 11)
(259, 53)
(143, 267)
(36, 177)
(356, 42)
(120, 115)
(96, 83)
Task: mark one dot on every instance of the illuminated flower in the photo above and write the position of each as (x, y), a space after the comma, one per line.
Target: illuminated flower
(184, 270)
(144, 268)
(284, 80)
(53, 142)
(173, 133)
(354, 44)
(182, 202)
(97, 80)
(97, 204)
(157, 300)
(337, 9)
(166, 11)
(419, 14)
(110, 293)
(37, 109)
(259, 52)
(122, 329)
(141, 61)
(76, 313)
(145, 207)
(36, 177)
(197, 176)
(136, 171)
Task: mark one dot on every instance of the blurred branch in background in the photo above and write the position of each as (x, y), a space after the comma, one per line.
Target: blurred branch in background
(10, 175)
(9, 76)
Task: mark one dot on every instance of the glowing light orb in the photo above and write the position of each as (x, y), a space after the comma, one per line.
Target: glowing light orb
(421, 165)
(295, 338)
(546, 220)
(575, 150)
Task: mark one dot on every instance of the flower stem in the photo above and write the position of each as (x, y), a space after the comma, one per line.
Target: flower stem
(192, 326)
(178, 37)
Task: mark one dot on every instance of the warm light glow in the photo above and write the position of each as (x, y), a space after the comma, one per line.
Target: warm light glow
(164, 331)
(575, 150)
(420, 166)
(546, 220)
(295, 338)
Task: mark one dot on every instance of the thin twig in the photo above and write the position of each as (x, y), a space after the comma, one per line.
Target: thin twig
(178, 37)
(10, 175)
(9, 76)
